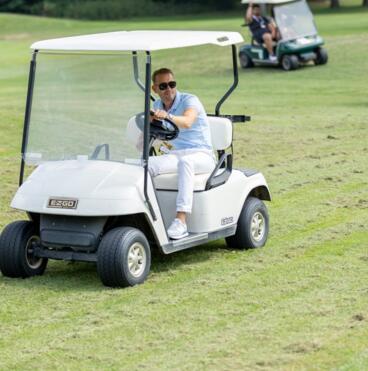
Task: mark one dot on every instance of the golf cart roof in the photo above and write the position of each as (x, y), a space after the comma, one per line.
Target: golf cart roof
(271, 2)
(138, 41)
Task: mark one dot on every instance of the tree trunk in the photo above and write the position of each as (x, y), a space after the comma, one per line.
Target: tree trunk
(336, 3)
(365, 3)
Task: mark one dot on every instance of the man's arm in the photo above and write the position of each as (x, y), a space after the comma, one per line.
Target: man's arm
(184, 122)
(249, 13)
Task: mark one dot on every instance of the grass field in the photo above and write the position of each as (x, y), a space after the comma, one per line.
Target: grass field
(298, 303)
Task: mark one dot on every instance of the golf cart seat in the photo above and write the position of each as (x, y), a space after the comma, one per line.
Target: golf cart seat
(221, 136)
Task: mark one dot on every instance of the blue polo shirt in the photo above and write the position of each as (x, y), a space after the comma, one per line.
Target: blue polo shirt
(198, 136)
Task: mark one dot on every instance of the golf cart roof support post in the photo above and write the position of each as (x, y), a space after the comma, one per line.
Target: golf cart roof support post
(146, 141)
(27, 115)
(136, 73)
(235, 83)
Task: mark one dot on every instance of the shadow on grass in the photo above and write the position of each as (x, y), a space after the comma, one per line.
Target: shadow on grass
(263, 70)
(163, 263)
(63, 276)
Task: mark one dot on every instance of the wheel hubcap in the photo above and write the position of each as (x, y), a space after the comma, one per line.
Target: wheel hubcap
(137, 259)
(32, 261)
(258, 226)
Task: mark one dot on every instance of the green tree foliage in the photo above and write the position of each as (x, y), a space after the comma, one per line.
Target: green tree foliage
(113, 9)
(335, 4)
(118, 9)
(209, 4)
(21, 6)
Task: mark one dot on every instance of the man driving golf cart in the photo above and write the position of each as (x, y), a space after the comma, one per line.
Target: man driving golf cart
(190, 153)
(297, 40)
(263, 30)
(90, 195)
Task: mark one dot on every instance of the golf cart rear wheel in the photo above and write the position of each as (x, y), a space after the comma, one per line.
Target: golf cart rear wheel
(289, 62)
(17, 243)
(245, 61)
(124, 257)
(321, 56)
(253, 226)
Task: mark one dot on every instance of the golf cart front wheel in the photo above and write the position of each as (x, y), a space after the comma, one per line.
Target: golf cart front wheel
(321, 56)
(17, 243)
(253, 226)
(289, 62)
(124, 257)
(245, 61)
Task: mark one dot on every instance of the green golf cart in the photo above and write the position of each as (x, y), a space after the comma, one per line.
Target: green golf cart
(298, 40)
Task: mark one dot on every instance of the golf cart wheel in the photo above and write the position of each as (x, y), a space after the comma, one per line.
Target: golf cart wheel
(17, 243)
(321, 56)
(245, 61)
(289, 62)
(123, 258)
(253, 226)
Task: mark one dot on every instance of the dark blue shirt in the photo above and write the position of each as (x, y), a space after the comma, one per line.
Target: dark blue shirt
(258, 23)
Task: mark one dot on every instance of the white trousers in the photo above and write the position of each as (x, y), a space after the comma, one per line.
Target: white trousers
(186, 163)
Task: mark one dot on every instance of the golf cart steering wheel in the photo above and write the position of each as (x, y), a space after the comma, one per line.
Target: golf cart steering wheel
(159, 129)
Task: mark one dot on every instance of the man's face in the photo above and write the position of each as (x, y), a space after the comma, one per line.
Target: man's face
(257, 11)
(162, 81)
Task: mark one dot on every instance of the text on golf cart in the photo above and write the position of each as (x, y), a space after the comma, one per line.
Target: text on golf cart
(62, 203)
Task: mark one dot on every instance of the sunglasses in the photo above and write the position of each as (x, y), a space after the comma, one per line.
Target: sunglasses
(165, 85)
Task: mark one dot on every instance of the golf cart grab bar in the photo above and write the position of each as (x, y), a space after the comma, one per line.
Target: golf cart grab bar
(232, 118)
(98, 150)
(215, 180)
(136, 74)
(235, 82)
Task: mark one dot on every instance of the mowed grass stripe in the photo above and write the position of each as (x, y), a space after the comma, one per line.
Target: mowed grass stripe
(257, 312)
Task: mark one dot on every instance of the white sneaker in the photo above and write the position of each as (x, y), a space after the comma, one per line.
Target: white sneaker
(272, 58)
(177, 230)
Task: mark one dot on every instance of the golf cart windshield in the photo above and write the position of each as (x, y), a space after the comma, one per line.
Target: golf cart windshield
(83, 108)
(294, 20)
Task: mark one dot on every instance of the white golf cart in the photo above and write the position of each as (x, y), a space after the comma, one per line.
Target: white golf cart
(299, 41)
(90, 196)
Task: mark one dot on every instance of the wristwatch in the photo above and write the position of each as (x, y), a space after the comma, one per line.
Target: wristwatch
(170, 116)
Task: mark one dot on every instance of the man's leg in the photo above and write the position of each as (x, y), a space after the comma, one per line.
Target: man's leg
(267, 38)
(164, 164)
(188, 166)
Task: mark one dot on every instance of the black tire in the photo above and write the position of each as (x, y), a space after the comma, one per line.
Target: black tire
(245, 61)
(253, 210)
(16, 251)
(113, 257)
(289, 62)
(321, 56)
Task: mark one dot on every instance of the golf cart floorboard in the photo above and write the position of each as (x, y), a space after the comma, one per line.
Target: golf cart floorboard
(265, 61)
(41, 252)
(195, 239)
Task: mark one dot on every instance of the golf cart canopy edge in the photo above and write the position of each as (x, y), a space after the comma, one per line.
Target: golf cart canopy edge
(138, 41)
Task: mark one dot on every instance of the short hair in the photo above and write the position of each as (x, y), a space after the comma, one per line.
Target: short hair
(256, 6)
(161, 71)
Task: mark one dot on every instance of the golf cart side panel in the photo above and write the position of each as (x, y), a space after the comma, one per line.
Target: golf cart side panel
(254, 51)
(211, 210)
(101, 188)
(303, 45)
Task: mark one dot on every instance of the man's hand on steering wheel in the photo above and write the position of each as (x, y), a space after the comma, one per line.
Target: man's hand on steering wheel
(160, 115)
(161, 127)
